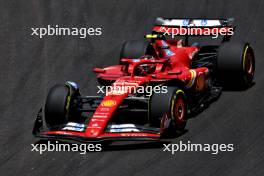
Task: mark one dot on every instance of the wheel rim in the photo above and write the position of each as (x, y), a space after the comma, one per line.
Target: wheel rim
(179, 109)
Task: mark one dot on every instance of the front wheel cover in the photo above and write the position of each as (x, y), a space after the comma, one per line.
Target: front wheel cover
(179, 110)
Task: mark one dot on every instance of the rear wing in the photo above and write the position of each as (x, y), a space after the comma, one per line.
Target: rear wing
(193, 22)
(194, 27)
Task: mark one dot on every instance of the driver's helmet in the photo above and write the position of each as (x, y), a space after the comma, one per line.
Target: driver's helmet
(146, 68)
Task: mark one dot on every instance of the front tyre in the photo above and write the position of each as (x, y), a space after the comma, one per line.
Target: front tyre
(62, 105)
(168, 110)
(57, 106)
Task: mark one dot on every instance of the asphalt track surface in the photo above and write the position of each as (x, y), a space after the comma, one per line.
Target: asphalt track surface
(29, 66)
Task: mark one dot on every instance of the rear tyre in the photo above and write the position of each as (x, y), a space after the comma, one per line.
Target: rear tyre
(134, 49)
(236, 64)
(168, 111)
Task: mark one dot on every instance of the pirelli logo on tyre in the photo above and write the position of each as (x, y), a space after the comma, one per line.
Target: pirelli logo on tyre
(108, 103)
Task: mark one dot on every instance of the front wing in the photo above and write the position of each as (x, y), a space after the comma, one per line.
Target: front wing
(77, 132)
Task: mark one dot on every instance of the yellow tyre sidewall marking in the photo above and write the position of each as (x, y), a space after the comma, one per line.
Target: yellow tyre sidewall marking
(244, 56)
(67, 107)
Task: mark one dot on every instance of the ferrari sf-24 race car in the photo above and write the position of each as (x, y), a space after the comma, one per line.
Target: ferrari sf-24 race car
(193, 75)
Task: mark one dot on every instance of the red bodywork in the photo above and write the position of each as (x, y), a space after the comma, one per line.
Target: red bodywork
(172, 63)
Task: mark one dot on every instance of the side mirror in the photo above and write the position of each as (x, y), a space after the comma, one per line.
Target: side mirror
(98, 70)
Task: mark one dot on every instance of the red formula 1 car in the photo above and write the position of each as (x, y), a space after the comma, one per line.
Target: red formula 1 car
(157, 85)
